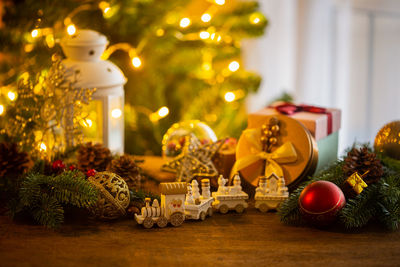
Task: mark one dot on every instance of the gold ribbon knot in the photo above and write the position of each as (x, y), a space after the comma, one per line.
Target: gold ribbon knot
(284, 154)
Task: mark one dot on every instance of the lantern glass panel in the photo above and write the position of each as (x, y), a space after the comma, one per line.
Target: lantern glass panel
(116, 122)
(93, 123)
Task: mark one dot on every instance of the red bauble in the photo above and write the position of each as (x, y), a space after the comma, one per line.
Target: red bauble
(320, 202)
(58, 165)
(91, 172)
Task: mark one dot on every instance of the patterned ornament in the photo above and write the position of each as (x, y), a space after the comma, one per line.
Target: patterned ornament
(194, 161)
(387, 141)
(354, 185)
(114, 195)
(320, 202)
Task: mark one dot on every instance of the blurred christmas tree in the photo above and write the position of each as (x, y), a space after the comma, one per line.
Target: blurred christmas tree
(183, 59)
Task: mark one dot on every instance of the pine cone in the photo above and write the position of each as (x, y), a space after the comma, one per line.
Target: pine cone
(361, 161)
(12, 162)
(126, 167)
(95, 157)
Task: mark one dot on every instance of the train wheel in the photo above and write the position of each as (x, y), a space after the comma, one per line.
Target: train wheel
(162, 222)
(148, 223)
(210, 212)
(223, 209)
(177, 219)
(239, 208)
(202, 216)
(263, 207)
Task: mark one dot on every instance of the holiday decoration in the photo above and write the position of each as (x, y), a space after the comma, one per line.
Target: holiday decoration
(354, 185)
(104, 120)
(293, 155)
(126, 167)
(198, 206)
(12, 162)
(91, 172)
(45, 117)
(93, 156)
(225, 158)
(270, 193)
(378, 202)
(172, 209)
(44, 197)
(320, 202)
(387, 140)
(58, 165)
(194, 161)
(323, 124)
(114, 195)
(230, 197)
(174, 139)
(362, 160)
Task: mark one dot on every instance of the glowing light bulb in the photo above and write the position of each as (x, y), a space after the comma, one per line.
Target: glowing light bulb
(254, 18)
(234, 66)
(89, 123)
(206, 17)
(106, 10)
(12, 96)
(43, 147)
(160, 32)
(1, 109)
(220, 2)
(35, 33)
(71, 29)
(185, 22)
(116, 113)
(230, 96)
(136, 62)
(204, 35)
(163, 111)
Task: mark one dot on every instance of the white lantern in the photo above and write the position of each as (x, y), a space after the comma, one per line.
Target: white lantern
(104, 119)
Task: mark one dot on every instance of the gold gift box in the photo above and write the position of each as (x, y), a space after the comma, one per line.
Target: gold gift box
(290, 131)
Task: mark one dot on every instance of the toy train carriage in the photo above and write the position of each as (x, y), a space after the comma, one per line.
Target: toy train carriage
(236, 202)
(199, 211)
(266, 203)
(172, 207)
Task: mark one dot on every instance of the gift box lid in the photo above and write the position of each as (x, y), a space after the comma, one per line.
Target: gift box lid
(320, 125)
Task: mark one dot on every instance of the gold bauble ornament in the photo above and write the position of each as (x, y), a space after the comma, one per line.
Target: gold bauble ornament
(387, 141)
(113, 197)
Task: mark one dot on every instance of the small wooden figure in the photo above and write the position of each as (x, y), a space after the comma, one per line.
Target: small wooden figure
(270, 193)
(202, 208)
(230, 197)
(172, 208)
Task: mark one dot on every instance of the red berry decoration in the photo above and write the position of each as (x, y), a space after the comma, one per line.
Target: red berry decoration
(72, 167)
(90, 172)
(320, 202)
(58, 165)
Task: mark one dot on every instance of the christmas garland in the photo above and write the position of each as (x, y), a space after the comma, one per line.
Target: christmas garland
(379, 201)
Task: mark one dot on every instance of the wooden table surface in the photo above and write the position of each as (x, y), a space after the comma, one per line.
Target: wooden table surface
(250, 239)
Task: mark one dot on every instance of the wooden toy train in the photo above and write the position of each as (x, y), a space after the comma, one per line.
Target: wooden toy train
(181, 201)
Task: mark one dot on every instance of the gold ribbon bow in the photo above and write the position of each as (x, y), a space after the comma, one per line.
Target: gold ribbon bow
(284, 154)
(357, 182)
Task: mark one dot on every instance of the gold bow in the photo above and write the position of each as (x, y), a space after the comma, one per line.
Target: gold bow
(284, 154)
(357, 182)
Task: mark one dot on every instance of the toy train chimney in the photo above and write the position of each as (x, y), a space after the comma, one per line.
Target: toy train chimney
(205, 188)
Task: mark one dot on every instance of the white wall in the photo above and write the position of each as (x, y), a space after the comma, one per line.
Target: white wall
(336, 53)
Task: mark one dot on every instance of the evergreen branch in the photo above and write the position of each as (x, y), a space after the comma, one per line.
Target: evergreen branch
(361, 209)
(289, 210)
(48, 212)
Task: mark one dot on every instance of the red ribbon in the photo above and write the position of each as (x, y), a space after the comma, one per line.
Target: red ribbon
(290, 109)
